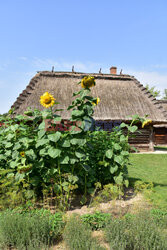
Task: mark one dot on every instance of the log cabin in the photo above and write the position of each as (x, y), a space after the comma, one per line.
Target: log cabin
(160, 130)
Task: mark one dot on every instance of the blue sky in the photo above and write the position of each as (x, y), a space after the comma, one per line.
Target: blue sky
(91, 34)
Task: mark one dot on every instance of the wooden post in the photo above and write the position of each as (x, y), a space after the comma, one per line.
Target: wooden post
(151, 143)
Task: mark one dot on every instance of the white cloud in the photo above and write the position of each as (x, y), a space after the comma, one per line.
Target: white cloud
(153, 78)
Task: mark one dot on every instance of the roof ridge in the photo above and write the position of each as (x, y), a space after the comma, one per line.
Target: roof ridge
(77, 74)
(151, 97)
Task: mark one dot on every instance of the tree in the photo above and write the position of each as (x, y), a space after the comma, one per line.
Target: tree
(153, 91)
(164, 95)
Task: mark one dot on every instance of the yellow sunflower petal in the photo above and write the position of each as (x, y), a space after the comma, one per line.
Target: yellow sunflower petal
(146, 123)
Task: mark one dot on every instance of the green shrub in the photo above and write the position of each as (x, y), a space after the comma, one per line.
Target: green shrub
(143, 186)
(137, 233)
(77, 236)
(97, 220)
(34, 230)
(108, 193)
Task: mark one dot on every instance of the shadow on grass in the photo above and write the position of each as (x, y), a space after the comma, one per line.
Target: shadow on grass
(155, 184)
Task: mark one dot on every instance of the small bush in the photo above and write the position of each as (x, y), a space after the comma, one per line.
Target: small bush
(143, 186)
(109, 192)
(137, 233)
(97, 220)
(29, 230)
(77, 236)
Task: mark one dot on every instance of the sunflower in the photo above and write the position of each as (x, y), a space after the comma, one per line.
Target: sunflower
(96, 102)
(47, 100)
(22, 154)
(88, 82)
(146, 123)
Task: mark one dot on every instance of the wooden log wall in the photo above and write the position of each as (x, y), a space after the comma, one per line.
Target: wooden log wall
(160, 136)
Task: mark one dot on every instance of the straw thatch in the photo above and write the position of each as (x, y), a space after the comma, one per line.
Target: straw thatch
(163, 103)
(121, 95)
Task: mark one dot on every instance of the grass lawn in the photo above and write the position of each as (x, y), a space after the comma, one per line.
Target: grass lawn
(151, 168)
(160, 148)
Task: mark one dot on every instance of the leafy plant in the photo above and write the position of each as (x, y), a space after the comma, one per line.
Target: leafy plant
(109, 192)
(97, 220)
(143, 186)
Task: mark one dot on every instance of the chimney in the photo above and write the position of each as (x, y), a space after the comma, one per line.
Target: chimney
(113, 70)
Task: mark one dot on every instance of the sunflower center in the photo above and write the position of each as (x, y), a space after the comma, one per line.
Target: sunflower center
(47, 100)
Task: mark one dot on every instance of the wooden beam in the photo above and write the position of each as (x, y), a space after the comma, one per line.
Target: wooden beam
(151, 142)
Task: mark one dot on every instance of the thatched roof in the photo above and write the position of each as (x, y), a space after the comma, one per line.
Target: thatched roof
(121, 95)
(163, 103)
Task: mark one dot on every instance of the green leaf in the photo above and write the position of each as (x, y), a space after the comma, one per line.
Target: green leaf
(133, 129)
(113, 169)
(75, 132)
(42, 125)
(10, 136)
(2, 157)
(73, 178)
(35, 180)
(57, 119)
(124, 153)
(41, 133)
(77, 141)
(54, 137)
(123, 125)
(30, 153)
(66, 144)
(76, 93)
(13, 164)
(8, 145)
(29, 194)
(109, 153)
(19, 177)
(64, 160)
(84, 92)
(43, 152)
(8, 153)
(118, 179)
(126, 182)
(73, 160)
(117, 146)
(77, 113)
(14, 127)
(122, 138)
(118, 159)
(41, 142)
(17, 146)
(10, 175)
(86, 167)
(54, 152)
(79, 154)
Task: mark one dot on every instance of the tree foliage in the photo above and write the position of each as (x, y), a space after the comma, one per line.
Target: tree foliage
(165, 94)
(155, 92)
